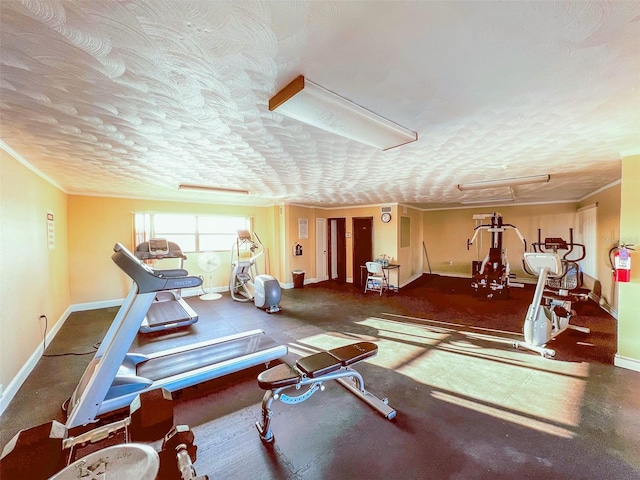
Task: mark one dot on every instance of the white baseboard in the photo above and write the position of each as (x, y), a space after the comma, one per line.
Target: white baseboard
(30, 364)
(626, 362)
(10, 391)
(525, 280)
(604, 305)
(27, 368)
(410, 279)
(307, 281)
(81, 307)
(448, 274)
(197, 291)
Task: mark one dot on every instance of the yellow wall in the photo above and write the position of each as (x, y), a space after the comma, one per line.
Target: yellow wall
(273, 240)
(629, 302)
(385, 235)
(608, 233)
(306, 262)
(34, 279)
(411, 258)
(97, 223)
(446, 233)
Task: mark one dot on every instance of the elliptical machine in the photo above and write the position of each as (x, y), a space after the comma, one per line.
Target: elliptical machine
(245, 284)
(559, 285)
(493, 274)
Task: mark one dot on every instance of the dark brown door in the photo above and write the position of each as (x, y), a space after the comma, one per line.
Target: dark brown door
(362, 247)
(337, 249)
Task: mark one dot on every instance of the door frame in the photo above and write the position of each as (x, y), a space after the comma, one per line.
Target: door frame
(358, 257)
(337, 242)
(322, 272)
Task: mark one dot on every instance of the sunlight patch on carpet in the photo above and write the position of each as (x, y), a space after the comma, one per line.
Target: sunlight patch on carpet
(482, 372)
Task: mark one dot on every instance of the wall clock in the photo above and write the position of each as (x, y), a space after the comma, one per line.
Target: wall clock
(386, 217)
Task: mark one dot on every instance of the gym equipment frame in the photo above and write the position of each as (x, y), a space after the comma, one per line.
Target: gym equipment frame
(107, 451)
(493, 273)
(114, 377)
(542, 324)
(313, 370)
(168, 310)
(245, 284)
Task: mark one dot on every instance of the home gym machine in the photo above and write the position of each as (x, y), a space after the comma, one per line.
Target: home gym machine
(245, 284)
(492, 275)
(120, 449)
(168, 310)
(114, 377)
(559, 285)
(312, 371)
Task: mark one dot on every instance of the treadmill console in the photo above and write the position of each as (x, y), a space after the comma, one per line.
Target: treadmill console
(158, 247)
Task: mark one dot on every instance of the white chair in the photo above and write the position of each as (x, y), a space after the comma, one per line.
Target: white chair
(377, 280)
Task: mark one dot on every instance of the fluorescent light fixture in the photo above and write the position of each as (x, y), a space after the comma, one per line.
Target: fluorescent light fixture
(505, 182)
(486, 202)
(204, 188)
(310, 103)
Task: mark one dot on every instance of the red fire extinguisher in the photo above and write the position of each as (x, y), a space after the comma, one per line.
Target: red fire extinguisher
(621, 263)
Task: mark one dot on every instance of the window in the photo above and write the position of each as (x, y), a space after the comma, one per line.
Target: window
(193, 233)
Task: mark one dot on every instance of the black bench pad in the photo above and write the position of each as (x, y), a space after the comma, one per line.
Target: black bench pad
(318, 364)
(279, 376)
(354, 353)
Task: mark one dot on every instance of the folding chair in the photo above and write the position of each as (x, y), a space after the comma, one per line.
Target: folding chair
(377, 280)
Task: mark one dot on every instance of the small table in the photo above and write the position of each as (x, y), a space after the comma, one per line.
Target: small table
(388, 268)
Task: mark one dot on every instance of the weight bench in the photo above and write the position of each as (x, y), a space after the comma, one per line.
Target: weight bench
(334, 364)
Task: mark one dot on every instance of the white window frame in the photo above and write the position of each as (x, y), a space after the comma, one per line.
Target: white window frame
(145, 228)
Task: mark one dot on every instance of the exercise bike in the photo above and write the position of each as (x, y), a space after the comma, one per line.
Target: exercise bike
(559, 285)
(245, 284)
(493, 275)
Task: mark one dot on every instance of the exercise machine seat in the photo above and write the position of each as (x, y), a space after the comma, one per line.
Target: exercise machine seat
(316, 365)
(279, 376)
(354, 353)
(312, 371)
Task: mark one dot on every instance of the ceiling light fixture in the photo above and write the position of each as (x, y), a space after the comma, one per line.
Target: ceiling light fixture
(204, 188)
(506, 182)
(486, 202)
(310, 103)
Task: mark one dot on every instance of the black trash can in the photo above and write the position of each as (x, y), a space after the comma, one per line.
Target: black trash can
(298, 278)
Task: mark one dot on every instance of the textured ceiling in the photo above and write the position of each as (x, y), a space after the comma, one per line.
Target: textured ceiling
(132, 98)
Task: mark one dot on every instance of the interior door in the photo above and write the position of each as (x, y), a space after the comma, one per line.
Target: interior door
(321, 250)
(337, 250)
(362, 246)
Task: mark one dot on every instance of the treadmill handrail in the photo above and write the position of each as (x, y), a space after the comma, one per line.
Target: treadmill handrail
(173, 272)
(146, 278)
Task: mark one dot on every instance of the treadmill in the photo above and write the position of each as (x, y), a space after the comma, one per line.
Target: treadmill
(115, 377)
(168, 310)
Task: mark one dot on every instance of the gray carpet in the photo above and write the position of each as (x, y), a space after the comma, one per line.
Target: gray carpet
(469, 405)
